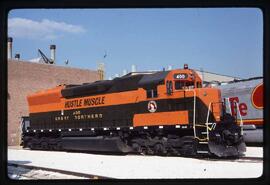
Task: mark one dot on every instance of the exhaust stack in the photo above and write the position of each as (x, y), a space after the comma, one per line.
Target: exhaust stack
(9, 47)
(52, 48)
(124, 72)
(17, 56)
(133, 68)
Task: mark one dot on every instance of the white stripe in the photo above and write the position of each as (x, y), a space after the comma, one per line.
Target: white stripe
(130, 128)
(41, 130)
(27, 130)
(59, 130)
(177, 126)
(118, 128)
(104, 128)
(160, 127)
(69, 129)
(145, 127)
(34, 130)
(50, 130)
(184, 126)
(80, 129)
(203, 142)
(202, 152)
(92, 129)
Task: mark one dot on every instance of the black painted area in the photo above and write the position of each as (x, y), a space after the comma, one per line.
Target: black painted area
(115, 115)
(125, 83)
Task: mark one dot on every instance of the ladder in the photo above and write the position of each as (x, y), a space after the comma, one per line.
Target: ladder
(203, 134)
(201, 131)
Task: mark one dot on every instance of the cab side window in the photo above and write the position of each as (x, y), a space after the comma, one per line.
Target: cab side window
(169, 87)
(179, 85)
(151, 93)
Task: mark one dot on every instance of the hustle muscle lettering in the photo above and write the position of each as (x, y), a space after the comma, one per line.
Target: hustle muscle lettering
(94, 101)
(73, 103)
(84, 102)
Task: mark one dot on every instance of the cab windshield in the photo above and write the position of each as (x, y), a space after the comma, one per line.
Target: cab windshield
(183, 85)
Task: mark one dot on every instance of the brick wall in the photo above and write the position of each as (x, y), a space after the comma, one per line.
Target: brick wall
(26, 77)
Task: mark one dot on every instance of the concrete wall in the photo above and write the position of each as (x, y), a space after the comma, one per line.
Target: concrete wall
(26, 77)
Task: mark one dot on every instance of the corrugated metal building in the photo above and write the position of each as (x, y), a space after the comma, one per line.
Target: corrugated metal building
(209, 77)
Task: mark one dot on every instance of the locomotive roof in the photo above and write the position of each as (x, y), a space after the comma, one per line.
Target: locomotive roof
(128, 82)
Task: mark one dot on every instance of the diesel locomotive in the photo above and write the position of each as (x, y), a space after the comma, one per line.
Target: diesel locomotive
(155, 113)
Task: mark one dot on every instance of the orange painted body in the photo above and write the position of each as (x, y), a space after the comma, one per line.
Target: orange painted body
(164, 118)
(52, 100)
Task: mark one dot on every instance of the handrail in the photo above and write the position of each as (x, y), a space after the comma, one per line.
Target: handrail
(229, 104)
(194, 110)
(240, 116)
(207, 119)
(208, 113)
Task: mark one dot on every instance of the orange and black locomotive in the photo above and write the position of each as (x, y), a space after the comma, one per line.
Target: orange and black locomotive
(162, 113)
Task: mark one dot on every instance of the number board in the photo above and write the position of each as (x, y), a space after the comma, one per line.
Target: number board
(180, 76)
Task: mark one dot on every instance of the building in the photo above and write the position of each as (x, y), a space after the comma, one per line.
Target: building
(26, 77)
(207, 77)
(210, 77)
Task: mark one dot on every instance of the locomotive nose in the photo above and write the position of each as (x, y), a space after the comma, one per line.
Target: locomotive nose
(226, 141)
(223, 150)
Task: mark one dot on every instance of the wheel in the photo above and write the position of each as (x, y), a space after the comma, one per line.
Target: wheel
(189, 149)
(149, 151)
(30, 145)
(44, 145)
(159, 149)
(136, 147)
(58, 145)
(173, 152)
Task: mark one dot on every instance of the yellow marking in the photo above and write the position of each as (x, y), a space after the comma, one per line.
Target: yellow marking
(204, 139)
(251, 120)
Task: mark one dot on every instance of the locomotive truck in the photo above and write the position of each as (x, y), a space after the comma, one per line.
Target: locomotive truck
(154, 113)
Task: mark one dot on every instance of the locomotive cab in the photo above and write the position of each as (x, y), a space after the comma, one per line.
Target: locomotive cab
(183, 79)
(211, 123)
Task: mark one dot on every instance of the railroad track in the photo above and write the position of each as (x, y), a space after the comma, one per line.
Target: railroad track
(259, 159)
(52, 170)
(243, 159)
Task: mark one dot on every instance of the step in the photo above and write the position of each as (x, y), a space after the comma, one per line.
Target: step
(203, 142)
(202, 152)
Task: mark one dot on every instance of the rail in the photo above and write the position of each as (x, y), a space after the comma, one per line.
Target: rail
(65, 172)
(229, 104)
(240, 116)
(207, 119)
(238, 111)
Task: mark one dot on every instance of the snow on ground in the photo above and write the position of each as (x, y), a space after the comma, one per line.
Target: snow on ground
(143, 167)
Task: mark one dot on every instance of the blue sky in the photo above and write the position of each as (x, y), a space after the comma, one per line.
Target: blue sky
(226, 41)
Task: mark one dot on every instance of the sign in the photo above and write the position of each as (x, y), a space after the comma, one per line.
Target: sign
(181, 76)
(257, 97)
(152, 106)
(84, 102)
